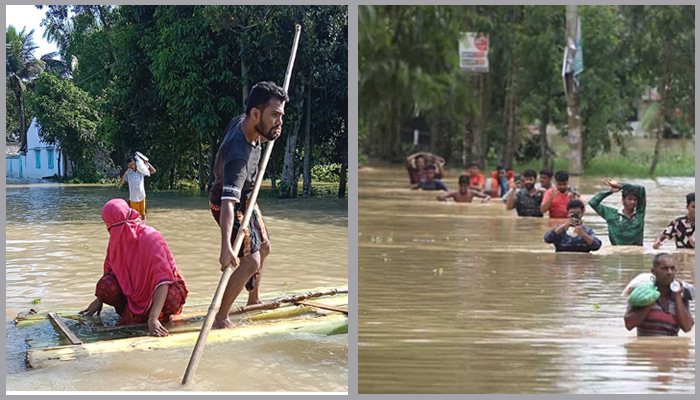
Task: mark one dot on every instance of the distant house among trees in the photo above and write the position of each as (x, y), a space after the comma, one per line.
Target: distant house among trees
(41, 160)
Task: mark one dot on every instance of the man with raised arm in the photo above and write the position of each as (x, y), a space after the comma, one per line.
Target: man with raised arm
(625, 227)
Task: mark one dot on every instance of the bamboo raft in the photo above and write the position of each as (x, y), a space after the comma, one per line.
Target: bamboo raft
(71, 336)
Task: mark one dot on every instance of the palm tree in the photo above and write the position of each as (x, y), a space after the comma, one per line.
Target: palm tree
(22, 66)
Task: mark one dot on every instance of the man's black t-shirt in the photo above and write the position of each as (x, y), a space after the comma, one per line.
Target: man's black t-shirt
(236, 166)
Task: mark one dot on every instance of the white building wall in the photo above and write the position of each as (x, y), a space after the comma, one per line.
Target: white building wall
(35, 146)
(12, 166)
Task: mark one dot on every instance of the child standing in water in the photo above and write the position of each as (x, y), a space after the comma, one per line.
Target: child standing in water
(137, 192)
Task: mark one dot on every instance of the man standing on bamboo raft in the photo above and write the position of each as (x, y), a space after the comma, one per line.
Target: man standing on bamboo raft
(235, 171)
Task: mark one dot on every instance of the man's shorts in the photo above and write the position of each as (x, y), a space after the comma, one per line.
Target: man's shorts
(139, 206)
(255, 234)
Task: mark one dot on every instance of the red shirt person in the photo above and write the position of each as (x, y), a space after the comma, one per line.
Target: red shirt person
(476, 179)
(557, 198)
(140, 277)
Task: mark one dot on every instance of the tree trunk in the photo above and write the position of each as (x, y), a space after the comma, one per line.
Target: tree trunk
(295, 181)
(478, 121)
(201, 161)
(575, 135)
(466, 142)
(307, 147)
(272, 174)
(344, 168)
(213, 149)
(544, 120)
(288, 171)
(397, 151)
(245, 81)
(59, 162)
(511, 119)
(22, 123)
(670, 57)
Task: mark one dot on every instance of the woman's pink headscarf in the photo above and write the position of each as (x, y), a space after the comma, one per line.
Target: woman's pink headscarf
(137, 254)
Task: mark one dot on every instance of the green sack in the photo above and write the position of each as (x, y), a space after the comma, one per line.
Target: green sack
(644, 295)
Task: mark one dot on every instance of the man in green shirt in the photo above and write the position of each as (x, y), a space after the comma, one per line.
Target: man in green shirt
(625, 228)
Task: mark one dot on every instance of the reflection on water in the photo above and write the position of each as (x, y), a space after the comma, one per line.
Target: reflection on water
(466, 298)
(56, 243)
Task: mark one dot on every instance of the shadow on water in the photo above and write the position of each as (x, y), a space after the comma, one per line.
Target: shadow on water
(467, 298)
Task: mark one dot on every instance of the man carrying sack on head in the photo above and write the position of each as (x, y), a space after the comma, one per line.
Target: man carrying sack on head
(235, 171)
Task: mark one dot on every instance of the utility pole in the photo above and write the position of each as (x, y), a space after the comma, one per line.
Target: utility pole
(572, 98)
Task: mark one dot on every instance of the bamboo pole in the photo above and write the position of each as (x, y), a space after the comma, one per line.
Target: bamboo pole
(228, 271)
(281, 303)
(25, 317)
(63, 328)
(323, 306)
(47, 356)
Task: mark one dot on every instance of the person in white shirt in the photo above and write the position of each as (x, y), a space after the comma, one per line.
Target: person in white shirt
(137, 192)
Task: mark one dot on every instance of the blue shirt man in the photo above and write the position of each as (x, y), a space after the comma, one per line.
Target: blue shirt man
(573, 236)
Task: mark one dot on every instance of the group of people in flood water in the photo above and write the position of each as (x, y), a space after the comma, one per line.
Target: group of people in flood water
(140, 278)
(658, 305)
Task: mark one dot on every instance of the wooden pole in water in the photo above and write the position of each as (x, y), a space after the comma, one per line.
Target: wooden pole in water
(64, 328)
(228, 271)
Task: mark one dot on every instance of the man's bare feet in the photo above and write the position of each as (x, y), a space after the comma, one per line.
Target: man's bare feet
(222, 324)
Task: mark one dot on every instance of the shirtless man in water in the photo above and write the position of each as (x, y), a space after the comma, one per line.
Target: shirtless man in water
(235, 172)
(465, 193)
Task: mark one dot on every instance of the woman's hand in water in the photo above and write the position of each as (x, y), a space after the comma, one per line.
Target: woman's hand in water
(94, 307)
(155, 328)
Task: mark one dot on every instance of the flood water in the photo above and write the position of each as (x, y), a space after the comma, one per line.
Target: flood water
(467, 298)
(55, 249)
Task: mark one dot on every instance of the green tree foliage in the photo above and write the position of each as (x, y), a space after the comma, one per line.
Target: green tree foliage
(172, 77)
(408, 68)
(21, 67)
(663, 44)
(70, 116)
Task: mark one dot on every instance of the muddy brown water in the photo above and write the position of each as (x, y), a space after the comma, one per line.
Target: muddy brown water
(55, 248)
(467, 298)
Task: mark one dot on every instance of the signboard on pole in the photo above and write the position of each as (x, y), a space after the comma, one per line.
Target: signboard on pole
(474, 52)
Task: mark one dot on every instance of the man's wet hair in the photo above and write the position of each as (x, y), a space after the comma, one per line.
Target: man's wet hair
(690, 199)
(561, 176)
(546, 172)
(500, 167)
(262, 93)
(430, 167)
(463, 180)
(659, 257)
(575, 203)
(630, 191)
(475, 164)
(530, 174)
(130, 159)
